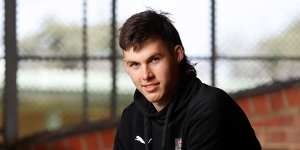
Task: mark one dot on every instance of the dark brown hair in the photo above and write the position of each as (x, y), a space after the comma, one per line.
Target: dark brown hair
(150, 24)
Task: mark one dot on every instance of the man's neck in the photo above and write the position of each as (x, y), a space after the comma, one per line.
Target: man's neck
(161, 104)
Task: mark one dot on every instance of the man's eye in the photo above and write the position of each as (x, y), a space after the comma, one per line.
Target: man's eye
(155, 59)
(134, 65)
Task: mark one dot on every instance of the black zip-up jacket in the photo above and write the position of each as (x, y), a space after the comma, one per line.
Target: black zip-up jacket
(198, 117)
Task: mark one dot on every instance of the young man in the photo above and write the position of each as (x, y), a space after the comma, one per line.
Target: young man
(172, 108)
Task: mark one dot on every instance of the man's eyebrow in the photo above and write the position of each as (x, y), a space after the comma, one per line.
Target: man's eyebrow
(129, 61)
(154, 55)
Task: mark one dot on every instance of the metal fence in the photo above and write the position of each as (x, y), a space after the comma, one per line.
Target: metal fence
(1, 65)
(63, 68)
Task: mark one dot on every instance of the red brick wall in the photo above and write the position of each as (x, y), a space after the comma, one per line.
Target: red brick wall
(89, 141)
(275, 116)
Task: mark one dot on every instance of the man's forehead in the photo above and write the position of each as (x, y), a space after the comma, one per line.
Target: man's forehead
(149, 48)
(142, 55)
(137, 46)
(132, 55)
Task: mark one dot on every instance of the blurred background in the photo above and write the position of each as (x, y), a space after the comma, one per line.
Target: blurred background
(64, 57)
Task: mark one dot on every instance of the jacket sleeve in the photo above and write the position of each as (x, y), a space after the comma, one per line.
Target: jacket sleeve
(118, 142)
(219, 124)
(119, 136)
(123, 132)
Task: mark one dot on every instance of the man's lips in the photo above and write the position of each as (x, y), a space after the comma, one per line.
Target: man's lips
(150, 87)
(150, 84)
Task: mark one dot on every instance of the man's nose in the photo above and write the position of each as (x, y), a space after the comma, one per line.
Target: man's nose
(147, 73)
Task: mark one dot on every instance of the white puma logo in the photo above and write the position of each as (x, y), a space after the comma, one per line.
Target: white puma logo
(138, 138)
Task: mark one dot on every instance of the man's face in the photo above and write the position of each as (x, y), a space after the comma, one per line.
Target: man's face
(153, 69)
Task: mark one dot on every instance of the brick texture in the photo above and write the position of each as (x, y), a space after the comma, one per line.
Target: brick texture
(277, 101)
(101, 140)
(293, 96)
(261, 104)
(275, 117)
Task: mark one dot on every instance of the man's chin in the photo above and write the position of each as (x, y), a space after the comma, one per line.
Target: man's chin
(152, 98)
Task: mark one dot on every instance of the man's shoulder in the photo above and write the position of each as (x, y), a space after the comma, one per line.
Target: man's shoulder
(128, 115)
(131, 108)
(208, 98)
(209, 94)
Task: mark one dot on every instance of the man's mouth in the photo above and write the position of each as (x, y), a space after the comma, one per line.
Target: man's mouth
(150, 87)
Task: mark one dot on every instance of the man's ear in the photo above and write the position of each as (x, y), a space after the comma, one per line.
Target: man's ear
(179, 53)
